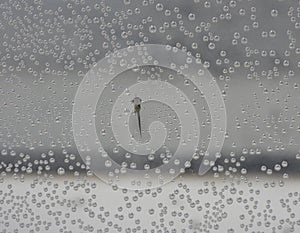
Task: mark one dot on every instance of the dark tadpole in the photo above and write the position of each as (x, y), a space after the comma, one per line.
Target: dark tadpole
(137, 108)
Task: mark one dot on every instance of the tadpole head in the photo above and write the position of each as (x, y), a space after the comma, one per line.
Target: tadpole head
(136, 100)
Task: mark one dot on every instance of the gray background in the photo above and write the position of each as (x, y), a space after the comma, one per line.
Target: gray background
(46, 48)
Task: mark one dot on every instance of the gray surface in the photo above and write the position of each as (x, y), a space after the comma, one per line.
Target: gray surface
(46, 48)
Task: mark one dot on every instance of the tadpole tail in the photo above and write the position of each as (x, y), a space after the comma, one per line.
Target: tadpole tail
(139, 121)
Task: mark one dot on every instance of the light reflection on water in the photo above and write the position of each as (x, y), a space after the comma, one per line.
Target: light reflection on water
(191, 203)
